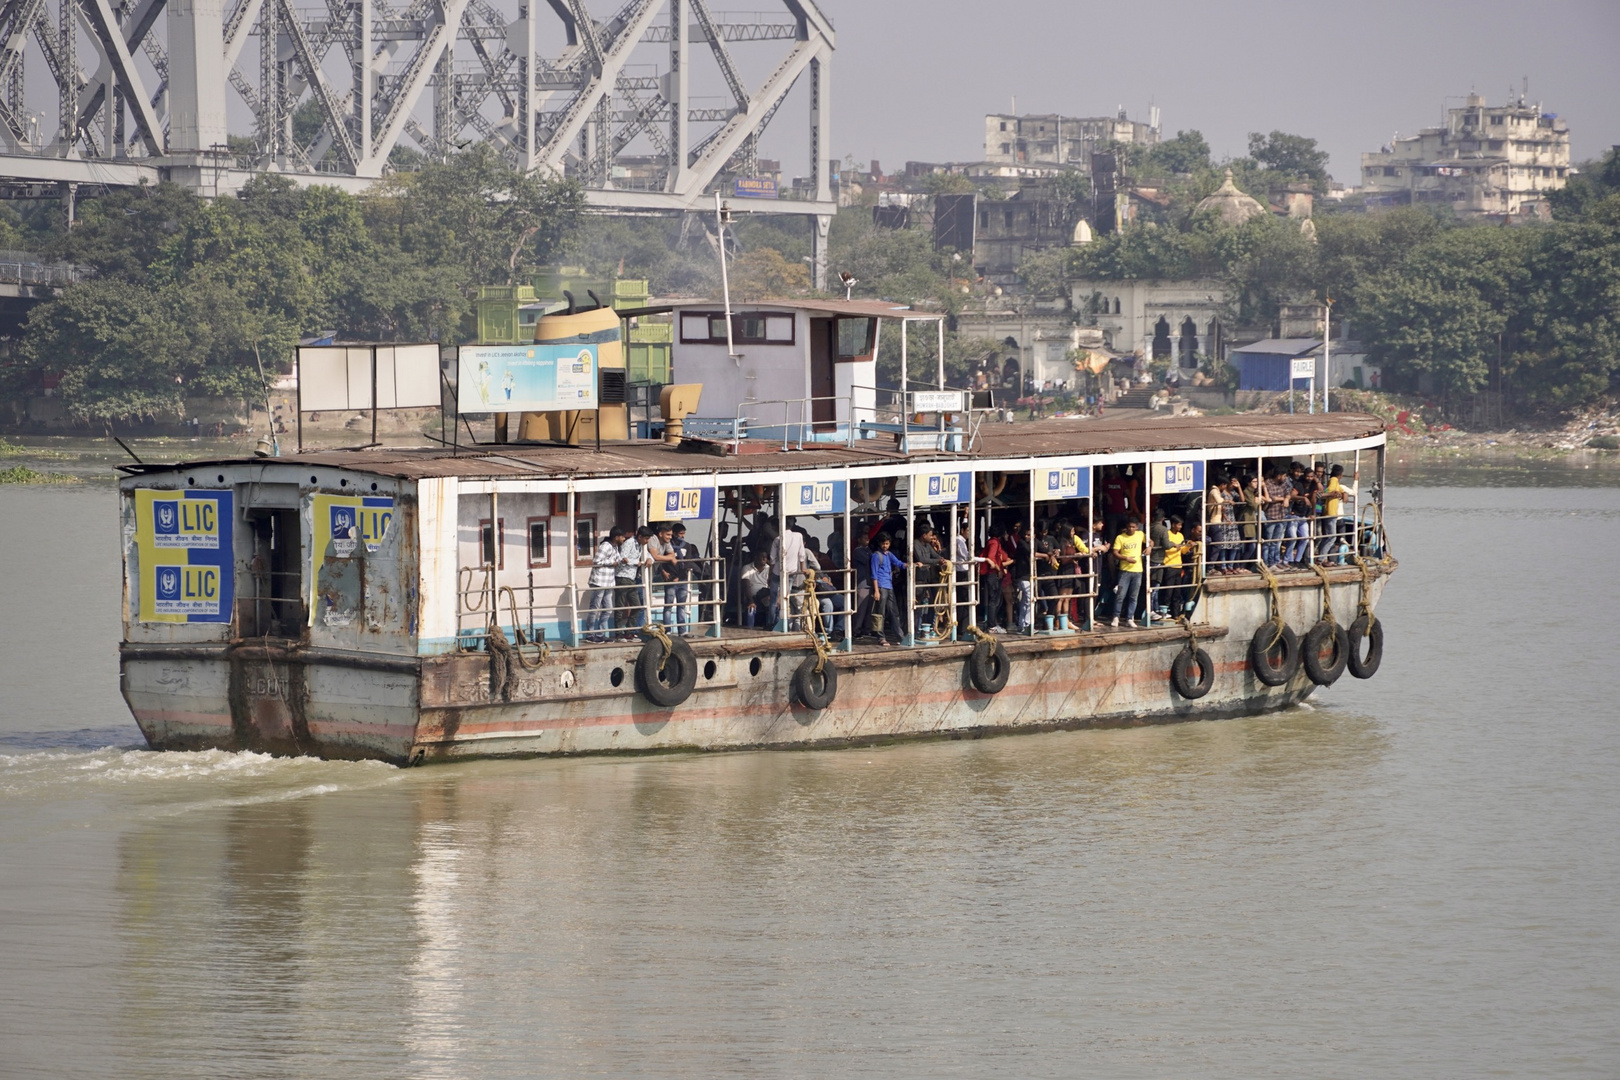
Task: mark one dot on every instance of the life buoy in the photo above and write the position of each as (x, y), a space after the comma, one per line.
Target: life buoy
(815, 689)
(1325, 650)
(1371, 630)
(1181, 673)
(988, 667)
(666, 682)
(1274, 654)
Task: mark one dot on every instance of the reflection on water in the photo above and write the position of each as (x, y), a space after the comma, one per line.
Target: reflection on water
(1413, 875)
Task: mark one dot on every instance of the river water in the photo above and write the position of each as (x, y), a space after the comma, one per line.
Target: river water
(1417, 875)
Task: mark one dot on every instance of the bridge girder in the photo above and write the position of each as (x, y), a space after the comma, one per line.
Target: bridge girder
(613, 108)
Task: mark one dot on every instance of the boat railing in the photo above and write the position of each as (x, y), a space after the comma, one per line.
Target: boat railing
(867, 411)
(272, 605)
(527, 612)
(1065, 589)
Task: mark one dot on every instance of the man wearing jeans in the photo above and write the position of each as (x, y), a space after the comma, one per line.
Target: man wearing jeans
(1129, 547)
(1274, 500)
(599, 603)
(631, 597)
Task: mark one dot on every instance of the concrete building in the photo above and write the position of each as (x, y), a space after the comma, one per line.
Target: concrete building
(1487, 160)
(1051, 139)
(1034, 343)
(1157, 318)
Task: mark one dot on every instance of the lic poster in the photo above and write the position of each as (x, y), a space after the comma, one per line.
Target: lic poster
(340, 526)
(185, 554)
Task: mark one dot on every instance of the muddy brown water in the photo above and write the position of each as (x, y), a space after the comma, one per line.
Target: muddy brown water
(1413, 876)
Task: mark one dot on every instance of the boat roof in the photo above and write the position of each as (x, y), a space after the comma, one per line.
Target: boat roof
(1136, 434)
(871, 309)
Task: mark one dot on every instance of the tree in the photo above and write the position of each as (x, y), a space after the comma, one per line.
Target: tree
(1187, 153)
(1290, 157)
(764, 273)
(1568, 332)
(1588, 185)
(1446, 309)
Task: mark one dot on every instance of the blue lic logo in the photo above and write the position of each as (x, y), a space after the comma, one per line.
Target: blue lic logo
(166, 518)
(168, 583)
(342, 522)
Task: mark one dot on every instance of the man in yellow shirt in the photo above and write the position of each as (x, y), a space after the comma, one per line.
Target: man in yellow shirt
(1130, 547)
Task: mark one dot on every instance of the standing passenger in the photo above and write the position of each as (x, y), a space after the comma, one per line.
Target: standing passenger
(1128, 549)
(632, 595)
(599, 604)
(886, 607)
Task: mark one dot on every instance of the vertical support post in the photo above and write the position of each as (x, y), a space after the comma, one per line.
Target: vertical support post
(444, 99)
(905, 402)
(940, 325)
(908, 610)
(679, 82)
(1327, 353)
(820, 138)
(970, 522)
(67, 51)
(374, 395)
(782, 580)
(526, 99)
(849, 574)
(1147, 539)
(1029, 542)
(573, 567)
(270, 83)
(1094, 562)
(362, 80)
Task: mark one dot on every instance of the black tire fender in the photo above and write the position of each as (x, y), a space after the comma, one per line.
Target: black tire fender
(815, 689)
(673, 685)
(1325, 637)
(1371, 630)
(1181, 673)
(1274, 657)
(988, 667)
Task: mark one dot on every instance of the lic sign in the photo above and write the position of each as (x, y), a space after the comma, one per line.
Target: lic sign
(820, 497)
(934, 489)
(1072, 483)
(1175, 477)
(681, 504)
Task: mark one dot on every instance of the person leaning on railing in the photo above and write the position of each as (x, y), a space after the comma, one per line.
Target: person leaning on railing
(631, 596)
(661, 552)
(604, 577)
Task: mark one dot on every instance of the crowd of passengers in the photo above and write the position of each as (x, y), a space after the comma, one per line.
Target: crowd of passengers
(1288, 516)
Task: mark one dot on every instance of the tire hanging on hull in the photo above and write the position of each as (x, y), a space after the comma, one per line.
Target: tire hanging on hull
(1181, 673)
(1326, 637)
(988, 667)
(1274, 653)
(666, 680)
(1370, 630)
(815, 689)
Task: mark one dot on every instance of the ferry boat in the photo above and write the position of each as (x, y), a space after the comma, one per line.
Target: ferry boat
(475, 599)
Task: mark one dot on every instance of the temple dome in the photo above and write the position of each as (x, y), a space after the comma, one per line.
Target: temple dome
(1232, 205)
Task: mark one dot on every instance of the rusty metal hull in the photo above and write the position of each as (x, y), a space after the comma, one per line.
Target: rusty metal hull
(290, 700)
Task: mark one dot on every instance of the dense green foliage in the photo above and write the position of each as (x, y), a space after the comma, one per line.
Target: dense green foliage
(1533, 309)
(187, 294)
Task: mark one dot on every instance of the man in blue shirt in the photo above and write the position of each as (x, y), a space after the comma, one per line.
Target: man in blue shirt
(884, 602)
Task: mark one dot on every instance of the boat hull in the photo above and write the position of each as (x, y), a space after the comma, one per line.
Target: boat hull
(287, 700)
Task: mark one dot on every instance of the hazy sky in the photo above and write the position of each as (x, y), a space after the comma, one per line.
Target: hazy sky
(913, 80)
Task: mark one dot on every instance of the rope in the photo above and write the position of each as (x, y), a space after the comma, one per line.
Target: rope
(1327, 593)
(812, 620)
(517, 632)
(1276, 606)
(660, 635)
(1365, 606)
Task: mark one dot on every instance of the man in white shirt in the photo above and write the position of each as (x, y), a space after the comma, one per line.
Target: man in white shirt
(758, 601)
(790, 563)
(599, 603)
(631, 595)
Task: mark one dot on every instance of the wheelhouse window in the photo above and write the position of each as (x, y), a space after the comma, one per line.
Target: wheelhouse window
(855, 338)
(751, 328)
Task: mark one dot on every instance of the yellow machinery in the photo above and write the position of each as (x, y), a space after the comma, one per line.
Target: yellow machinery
(599, 326)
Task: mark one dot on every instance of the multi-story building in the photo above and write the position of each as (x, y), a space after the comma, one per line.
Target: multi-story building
(1487, 160)
(1060, 140)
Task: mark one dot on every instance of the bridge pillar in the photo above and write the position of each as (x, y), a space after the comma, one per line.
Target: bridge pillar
(196, 89)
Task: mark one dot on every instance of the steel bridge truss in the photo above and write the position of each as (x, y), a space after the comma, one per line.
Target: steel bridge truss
(143, 91)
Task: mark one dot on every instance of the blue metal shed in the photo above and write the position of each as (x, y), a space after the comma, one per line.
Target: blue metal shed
(1265, 365)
